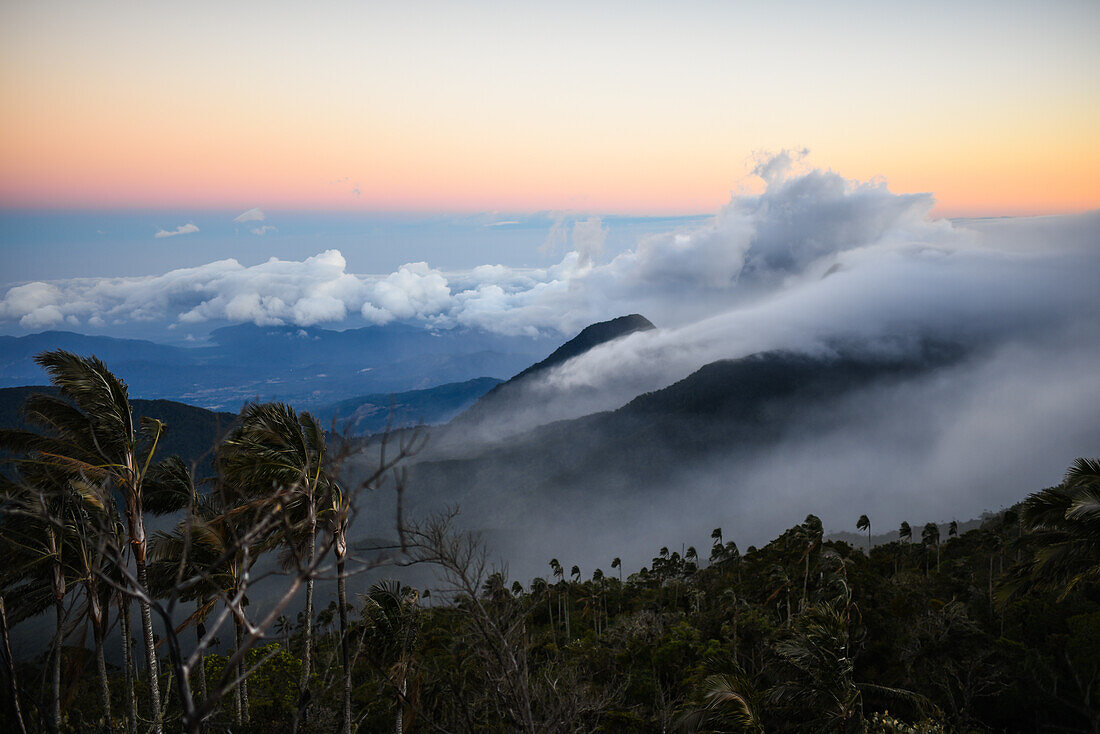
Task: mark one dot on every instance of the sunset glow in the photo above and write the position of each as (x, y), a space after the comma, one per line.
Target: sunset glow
(617, 108)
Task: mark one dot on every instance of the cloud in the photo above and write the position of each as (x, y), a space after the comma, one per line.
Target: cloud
(35, 305)
(252, 215)
(415, 290)
(811, 256)
(188, 228)
(588, 239)
(261, 231)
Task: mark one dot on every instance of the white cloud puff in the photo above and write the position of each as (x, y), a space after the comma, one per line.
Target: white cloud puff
(188, 228)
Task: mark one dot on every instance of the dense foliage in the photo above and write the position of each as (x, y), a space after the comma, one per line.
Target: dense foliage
(993, 629)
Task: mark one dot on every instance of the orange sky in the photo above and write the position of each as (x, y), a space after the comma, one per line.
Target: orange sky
(618, 107)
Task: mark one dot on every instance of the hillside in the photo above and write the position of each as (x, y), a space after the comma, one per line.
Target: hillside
(725, 409)
(507, 397)
(369, 414)
(192, 432)
(308, 367)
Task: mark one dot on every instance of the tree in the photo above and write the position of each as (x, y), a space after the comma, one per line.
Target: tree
(1063, 547)
(214, 545)
(617, 563)
(391, 612)
(905, 532)
(930, 535)
(38, 539)
(864, 523)
(90, 430)
(273, 446)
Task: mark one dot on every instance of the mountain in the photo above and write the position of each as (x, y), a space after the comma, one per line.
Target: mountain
(591, 336)
(492, 410)
(192, 432)
(307, 367)
(369, 414)
(725, 410)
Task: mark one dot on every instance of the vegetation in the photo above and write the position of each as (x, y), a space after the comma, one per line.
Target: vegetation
(993, 629)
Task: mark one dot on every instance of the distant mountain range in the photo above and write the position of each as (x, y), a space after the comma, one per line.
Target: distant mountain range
(308, 367)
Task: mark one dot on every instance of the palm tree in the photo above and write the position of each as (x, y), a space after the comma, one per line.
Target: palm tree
(276, 449)
(864, 523)
(617, 563)
(1064, 540)
(953, 529)
(210, 544)
(9, 669)
(812, 532)
(338, 513)
(692, 555)
(816, 673)
(392, 612)
(92, 514)
(597, 581)
(538, 588)
(90, 430)
(559, 574)
(575, 574)
(931, 536)
(904, 533)
(36, 550)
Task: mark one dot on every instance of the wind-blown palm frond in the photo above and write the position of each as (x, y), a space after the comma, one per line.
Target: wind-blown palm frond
(168, 486)
(729, 702)
(1063, 547)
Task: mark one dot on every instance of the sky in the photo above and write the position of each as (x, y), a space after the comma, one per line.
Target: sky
(628, 108)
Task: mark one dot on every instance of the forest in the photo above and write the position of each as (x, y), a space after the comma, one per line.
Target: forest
(992, 629)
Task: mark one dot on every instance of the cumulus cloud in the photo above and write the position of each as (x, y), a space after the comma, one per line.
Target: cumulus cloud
(261, 231)
(252, 215)
(813, 253)
(188, 228)
(35, 305)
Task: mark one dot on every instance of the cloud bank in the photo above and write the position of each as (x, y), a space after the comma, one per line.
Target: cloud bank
(814, 245)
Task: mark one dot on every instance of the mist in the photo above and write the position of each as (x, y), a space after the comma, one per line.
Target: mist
(822, 267)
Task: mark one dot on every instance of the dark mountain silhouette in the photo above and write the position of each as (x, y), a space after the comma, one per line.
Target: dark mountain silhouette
(503, 397)
(726, 409)
(590, 336)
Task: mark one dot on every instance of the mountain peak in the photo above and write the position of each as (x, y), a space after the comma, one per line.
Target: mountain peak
(593, 335)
